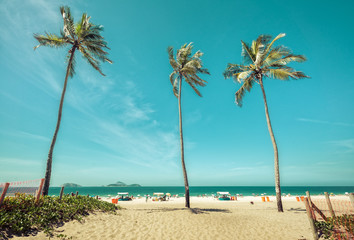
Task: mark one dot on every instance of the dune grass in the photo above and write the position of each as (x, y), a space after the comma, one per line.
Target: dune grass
(22, 215)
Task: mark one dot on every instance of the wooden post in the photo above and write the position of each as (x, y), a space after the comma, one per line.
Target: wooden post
(61, 193)
(4, 192)
(351, 197)
(310, 204)
(329, 204)
(309, 216)
(40, 189)
(308, 196)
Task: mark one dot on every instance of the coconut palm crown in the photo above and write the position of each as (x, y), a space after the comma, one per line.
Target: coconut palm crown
(188, 67)
(265, 61)
(85, 37)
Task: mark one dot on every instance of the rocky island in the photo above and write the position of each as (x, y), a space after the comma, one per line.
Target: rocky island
(71, 185)
(122, 184)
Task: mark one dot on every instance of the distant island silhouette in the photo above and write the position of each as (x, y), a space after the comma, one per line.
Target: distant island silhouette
(117, 184)
(71, 185)
(122, 184)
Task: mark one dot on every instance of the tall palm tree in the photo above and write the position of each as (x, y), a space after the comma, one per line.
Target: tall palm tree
(84, 37)
(188, 67)
(264, 60)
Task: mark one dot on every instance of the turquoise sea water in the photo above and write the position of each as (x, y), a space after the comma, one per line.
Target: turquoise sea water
(196, 191)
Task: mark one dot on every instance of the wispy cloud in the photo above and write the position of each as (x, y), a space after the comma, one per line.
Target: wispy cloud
(345, 146)
(22, 134)
(325, 122)
(36, 69)
(18, 162)
(156, 149)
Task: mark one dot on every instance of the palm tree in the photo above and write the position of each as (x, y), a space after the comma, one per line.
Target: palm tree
(187, 67)
(84, 37)
(264, 61)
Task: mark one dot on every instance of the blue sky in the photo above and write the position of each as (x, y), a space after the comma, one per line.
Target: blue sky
(125, 126)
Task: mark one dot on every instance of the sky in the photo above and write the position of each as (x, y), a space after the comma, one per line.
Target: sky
(124, 126)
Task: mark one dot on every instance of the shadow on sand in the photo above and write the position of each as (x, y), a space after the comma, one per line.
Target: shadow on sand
(208, 210)
(297, 210)
(192, 210)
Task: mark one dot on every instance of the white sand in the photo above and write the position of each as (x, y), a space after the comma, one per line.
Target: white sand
(207, 219)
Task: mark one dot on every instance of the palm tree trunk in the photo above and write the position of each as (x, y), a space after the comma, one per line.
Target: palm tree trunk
(276, 158)
(186, 185)
(48, 171)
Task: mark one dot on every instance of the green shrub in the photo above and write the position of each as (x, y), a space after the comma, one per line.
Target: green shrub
(22, 214)
(326, 229)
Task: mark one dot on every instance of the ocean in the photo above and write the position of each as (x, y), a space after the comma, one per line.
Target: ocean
(207, 190)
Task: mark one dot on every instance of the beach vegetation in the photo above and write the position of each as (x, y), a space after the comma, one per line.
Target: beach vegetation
(185, 66)
(338, 227)
(262, 60)
(23, 214)
(84, 37)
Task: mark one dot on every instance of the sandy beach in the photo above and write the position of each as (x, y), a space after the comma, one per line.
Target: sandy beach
(208, 218)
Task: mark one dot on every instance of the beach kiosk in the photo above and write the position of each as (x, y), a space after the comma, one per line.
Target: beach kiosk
(124, 196)
(223, 196)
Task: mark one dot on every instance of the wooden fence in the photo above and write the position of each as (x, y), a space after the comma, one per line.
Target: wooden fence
(33, 187)
(332, 218)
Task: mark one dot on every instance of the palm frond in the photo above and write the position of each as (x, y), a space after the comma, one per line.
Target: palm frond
(203, 71)
(197, 55)
(69, 28)
(91, 60)
(287, 59)
(246, 86)
(258, 46)
(197, 80)
(80, 26)
(259, 49)
(97, 52)
(184, 53)
(247, 54)
(282, 74)
(73, 64)
(172, 77)
(232, 69)
(193, 63)
(175, 86)
(241, 76)
(173, 62)
(50, 40)
(170, 52)
(281, 35)
(188, 69)
(189, 79)
(300, 75)
(276, 54)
